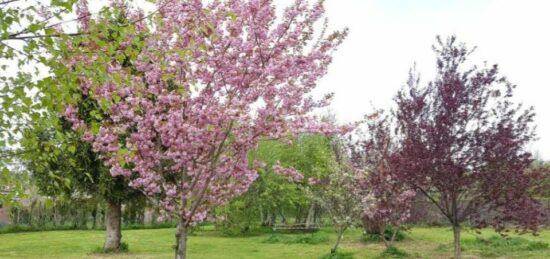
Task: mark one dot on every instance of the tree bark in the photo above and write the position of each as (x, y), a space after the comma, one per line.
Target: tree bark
(181, 240)
(456, 235)
(338, 239)
(389, 243)
(94, 217)
(283, 216)
(113, 216)
(54, 214)
(269, 220)
(262, 215)
(373, 226)
(310, 220)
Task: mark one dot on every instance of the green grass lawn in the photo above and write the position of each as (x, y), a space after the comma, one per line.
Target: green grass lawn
(157, 243)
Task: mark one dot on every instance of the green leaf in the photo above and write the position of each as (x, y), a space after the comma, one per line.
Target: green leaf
(232, 15)
(67, 182)
(34, 27)
(94, 128)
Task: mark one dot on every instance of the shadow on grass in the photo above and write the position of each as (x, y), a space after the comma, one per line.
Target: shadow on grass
(122, 249)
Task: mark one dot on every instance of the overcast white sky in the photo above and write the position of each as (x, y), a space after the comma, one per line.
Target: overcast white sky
(388, 36)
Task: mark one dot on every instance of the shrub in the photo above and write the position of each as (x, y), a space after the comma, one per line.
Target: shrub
(394, 252)
(372, 237)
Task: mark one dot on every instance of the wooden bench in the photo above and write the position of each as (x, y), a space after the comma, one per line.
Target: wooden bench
(301, 227)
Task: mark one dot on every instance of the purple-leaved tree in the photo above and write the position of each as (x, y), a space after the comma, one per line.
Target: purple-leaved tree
(462, 143)
(180, 111)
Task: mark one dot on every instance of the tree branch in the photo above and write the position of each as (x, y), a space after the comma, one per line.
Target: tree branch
(8, 1)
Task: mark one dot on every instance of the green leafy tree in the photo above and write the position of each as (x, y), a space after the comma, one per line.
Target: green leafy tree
(33, 43)
(71, 165)
(273, 195)
(336, 193)
(62, 165)
(27, 32)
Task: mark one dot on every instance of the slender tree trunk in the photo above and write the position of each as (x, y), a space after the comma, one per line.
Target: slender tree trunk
(17, 216)
(269, 220)
(283, 216)
(154, 215)
(317, 214)
(62, 217)
(389, 243)
(373, 226)
(310, 216)
(112, 223)
(338, 239)
(55, 214)
(181, 239)
(261, 215)
(94, 217)
(83, 219)
(456, 235)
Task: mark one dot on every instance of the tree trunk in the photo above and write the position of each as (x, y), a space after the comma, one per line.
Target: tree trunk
(154, 216)
(456, 235)
(181, 240)
(54, 214)
(269, 220)
(17, 217)
(63, 217)
(94, 217)
(338, 239)
(261, 215)
(389, 243)
(283, 216)
(83, 219)
(373, 226)
(112, 223)
(310, 220)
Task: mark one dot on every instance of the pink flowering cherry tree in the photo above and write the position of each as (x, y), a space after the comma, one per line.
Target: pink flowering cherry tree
(181, 107)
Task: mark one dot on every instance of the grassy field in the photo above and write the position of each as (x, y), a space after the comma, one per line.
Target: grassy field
(157, 243)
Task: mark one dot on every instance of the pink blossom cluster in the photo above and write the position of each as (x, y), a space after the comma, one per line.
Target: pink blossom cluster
(289, 172)
(210, 81)
(84, 15)
(384, 198)
(313, 181)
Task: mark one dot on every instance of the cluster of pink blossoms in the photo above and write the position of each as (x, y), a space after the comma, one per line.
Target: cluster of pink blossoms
(209, 82)
(289, 172)
(383, 198)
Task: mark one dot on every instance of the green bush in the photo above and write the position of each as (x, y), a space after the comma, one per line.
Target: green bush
(149, 226)
(32, 228)
(394, 252)
(388, 232)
